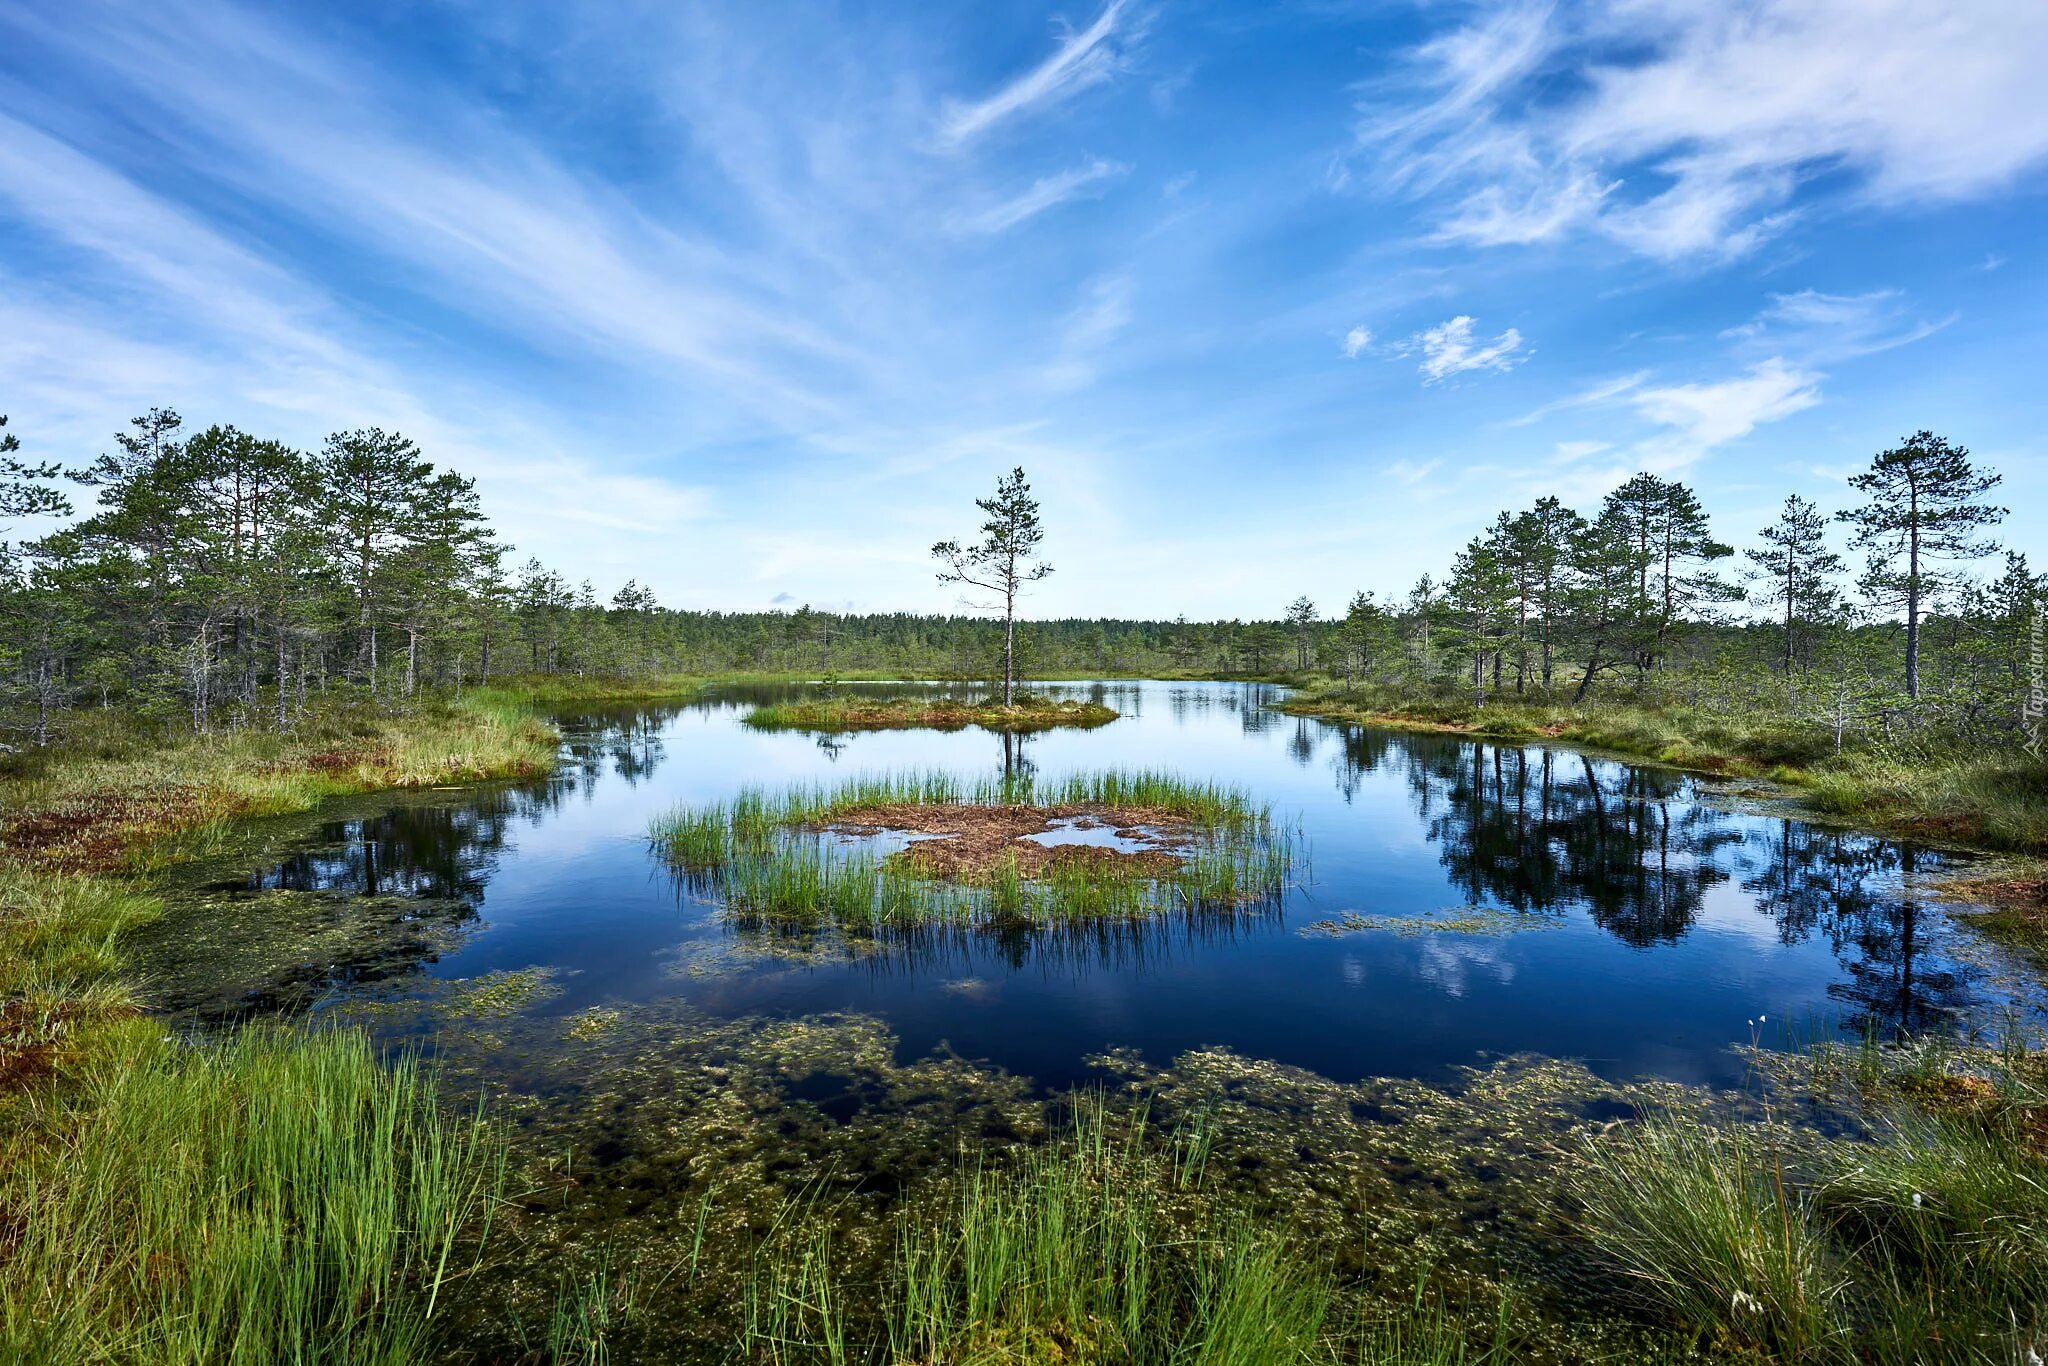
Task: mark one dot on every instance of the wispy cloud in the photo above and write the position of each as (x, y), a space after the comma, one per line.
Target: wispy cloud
(1356, 341)
(1684, 128)
(1828, 328)
(1697, 418)
(1592, 396)
(1044, 193)
(1451, 348)
(1082, 59)
(1102, 315)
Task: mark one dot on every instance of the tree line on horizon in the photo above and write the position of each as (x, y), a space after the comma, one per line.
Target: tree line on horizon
(219, 579)
(1643, 594)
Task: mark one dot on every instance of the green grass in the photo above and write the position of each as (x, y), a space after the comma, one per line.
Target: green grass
(841, 714)
(702, 836)
(1706, 1223)
(761, 854)
(270, 1198)
(1088, 1250)
(1924, 1239)
(118, 797)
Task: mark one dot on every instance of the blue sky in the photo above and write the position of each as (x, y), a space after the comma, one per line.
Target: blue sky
(750, 300)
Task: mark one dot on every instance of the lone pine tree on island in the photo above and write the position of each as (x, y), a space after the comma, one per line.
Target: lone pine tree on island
(1005, 559)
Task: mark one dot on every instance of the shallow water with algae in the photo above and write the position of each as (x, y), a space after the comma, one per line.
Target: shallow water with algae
(1378, 1058)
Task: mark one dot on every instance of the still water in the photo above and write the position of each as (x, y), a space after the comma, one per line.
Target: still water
(1633, 918)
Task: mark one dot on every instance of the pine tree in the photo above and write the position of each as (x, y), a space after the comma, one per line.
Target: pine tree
(375, 480)
(1301, 618)
(1002, 562)
(1795, 572)
(1923, 507)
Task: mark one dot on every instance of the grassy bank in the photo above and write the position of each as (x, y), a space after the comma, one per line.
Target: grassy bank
(268, 1197)
(1922, 1238)
(842, 714)
(117, 796)
(1994, 801)
(271, 1196)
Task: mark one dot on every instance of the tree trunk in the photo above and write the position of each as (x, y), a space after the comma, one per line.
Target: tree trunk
(1009, 646)
(1586, 680)
(283, 677)
(1913, 604)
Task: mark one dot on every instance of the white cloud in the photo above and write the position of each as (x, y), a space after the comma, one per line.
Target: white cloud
(1450, 348)
(1355, 341)
(1824, 328)
(1593, 396)
(1084, 59)
(1683, 128)
(1045, 193)
(1697, 418)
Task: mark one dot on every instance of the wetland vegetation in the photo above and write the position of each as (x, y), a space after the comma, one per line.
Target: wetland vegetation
(1010, 850)
(837, 714)
(1052, 1052)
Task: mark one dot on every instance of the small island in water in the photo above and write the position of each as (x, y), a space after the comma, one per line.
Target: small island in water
(1028, 712)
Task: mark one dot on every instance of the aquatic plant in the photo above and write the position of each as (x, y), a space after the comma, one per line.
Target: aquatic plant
(1073, 1251)
(836, 715)
(771, 856)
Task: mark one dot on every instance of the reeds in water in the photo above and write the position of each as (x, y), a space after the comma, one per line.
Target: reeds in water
(1072, 1252)
(763, 854)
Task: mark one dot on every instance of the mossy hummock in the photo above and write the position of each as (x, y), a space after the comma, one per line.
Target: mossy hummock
(841, 714)
(1111, 845)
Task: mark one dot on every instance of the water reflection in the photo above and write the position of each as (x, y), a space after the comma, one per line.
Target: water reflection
(1546, 831)
(1669, 918)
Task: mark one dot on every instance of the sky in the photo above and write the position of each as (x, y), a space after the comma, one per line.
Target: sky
(750, 301)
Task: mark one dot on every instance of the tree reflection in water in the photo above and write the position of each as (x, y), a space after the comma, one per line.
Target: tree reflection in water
(1545, 831)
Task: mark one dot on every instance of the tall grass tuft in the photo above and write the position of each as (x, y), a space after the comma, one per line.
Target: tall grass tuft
(1070, 1253)
(272, 1198)
(1707, 1224)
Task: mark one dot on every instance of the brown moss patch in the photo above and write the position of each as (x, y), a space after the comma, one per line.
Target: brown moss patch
(840, 714)
(95, 832)
(964, 843)
(1949, 1094)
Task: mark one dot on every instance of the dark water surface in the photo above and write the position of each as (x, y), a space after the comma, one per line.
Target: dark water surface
(1641, 918)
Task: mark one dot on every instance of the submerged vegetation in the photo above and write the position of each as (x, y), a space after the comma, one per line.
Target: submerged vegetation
(1854, 1204)
(1001, 851)
(832, 715)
